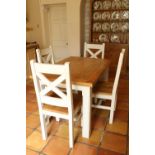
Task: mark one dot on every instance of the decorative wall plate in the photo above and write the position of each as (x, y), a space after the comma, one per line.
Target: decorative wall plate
(124, 15)
(106, 15)
(105, 27)
(103, 38)
(97, 27)
(97, 5)
(125, 4)
(97, 16)
(115, 15)
(106, 5)
(124, 27)
(116, 4)
(115, 38)
(114, 27)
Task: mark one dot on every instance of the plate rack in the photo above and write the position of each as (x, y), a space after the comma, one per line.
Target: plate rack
(110, 21)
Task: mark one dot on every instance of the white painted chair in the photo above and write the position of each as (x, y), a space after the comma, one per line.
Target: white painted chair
(52, 101)
(45, 55)
(94, 50)
(108, 90)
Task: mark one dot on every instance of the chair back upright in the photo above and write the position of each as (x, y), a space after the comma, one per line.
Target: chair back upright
(45, 55)
(94, 50)
(61, 74)
(118, 71)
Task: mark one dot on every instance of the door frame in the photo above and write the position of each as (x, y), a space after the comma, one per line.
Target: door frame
(73, 27)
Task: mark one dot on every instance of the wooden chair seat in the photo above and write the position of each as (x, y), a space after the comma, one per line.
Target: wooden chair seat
(108, 91)
(77, 102)
(54, 100)
(103, 88)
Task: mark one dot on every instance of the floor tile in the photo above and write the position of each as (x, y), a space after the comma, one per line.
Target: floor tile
(101, 113)
(106, 152)
(35, 113)
(114, 142)
(30, 87)
(122, 115)
(30, 152)
(83, 149)
(31, 97)
(63, 131)
(52, 127)
(35, 142)
(110, 139)
(122, 106)
(28, 131)
(94, 138)
(31, 107)
(32, 121)
(98, 122)
(118, 127)
(57, 146)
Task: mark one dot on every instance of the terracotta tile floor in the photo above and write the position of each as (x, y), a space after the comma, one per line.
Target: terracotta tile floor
(105, 139)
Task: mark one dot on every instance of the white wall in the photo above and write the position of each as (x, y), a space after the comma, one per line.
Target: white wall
(34, 21)
(73, 18)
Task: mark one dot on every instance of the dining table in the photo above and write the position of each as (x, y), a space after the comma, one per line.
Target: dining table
(85, 72)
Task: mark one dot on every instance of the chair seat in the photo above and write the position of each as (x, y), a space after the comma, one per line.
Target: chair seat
(103, 88)
(77, 102)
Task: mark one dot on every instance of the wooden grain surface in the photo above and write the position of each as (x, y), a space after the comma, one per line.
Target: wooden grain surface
(86, 71)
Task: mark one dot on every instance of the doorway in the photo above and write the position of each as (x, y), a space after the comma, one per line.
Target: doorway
(57, 23)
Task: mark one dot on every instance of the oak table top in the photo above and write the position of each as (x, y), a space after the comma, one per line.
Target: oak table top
(86, 71)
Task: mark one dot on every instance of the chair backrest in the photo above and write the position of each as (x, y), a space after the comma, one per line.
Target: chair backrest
(118, 71)
(61, 74)
(45, 55)
(94, 50)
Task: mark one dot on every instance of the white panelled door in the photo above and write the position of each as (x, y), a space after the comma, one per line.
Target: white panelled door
(58, 31)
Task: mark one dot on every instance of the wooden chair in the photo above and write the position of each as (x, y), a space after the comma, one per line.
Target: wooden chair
(108, 91)
(94, 50)
(45, 55)
(52, 101)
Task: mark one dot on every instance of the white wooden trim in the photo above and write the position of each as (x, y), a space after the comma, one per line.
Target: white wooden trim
(54, 101)
(86, 111)
(113, 95)
(65, 100)
(99, 47)
(45, 55)
(101, 107)
(38, 55)
(119, 66)
(49, 68)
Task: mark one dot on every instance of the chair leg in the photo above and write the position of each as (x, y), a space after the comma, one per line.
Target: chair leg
(115, 102)
(71, 135)
(112, 111)
(111, 116)
(43, 126)
(47, 119)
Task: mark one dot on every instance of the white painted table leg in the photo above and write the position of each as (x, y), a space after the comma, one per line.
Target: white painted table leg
(86, 92)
